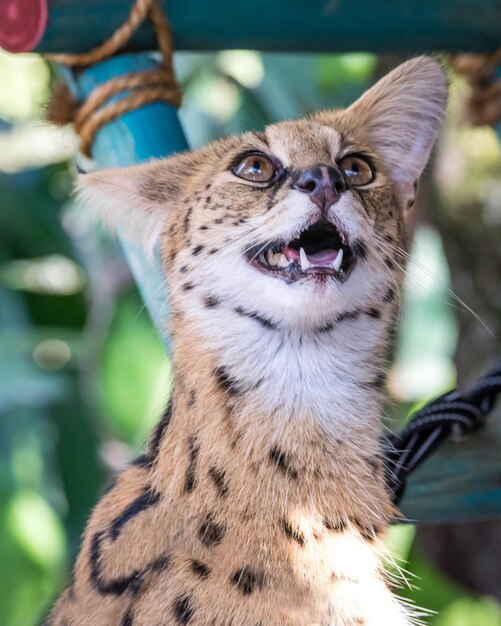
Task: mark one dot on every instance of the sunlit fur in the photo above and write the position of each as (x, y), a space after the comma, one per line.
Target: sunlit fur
(273, 442)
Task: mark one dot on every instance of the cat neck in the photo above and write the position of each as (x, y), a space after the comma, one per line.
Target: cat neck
(306, 403)
(331, 377)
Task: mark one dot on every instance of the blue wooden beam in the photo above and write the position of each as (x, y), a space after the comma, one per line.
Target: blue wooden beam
(153, 131)
(409, 26)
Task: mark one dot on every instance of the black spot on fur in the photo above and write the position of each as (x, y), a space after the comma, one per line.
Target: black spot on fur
(326, 329)
(198, 249)
(208, 199)
(389, 295)
(276, 188)
(282, 461)
(347, 315)
(389, 263)
(115, 586)
(292, 533)
(184, 269)
(204, 227)
(143, 460)
(211, 302)
(159, 432)
(218, 220)
(160, 564)
(374, 313)
(192, 398)
(188, 286)
(265, 323)
(379, 382)
(186, 221)
(183, 609)
(369, 533)
(148, 498)
(137, 584)
(219, 479)
(200, 569)
(211, 533)
(193, 450)
(226, 382)
(128, 619)
(248, 580)
(213, 250)
(208, 186)
(388, 237)
(337, 525)
(359, 249)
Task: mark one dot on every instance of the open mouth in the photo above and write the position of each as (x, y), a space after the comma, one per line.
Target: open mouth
(319, 251)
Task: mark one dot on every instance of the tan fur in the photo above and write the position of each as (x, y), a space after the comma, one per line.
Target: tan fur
(263, 502)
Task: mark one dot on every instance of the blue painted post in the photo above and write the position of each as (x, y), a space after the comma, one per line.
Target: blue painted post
(150, 132)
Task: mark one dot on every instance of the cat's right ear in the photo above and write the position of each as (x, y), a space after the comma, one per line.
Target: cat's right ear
(136, 200)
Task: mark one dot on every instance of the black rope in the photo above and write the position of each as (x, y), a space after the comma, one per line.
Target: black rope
(452, 415)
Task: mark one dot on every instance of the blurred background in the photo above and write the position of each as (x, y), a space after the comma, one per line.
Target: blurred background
(84, 375)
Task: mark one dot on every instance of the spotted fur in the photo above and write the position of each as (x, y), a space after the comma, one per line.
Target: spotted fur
(260, 500)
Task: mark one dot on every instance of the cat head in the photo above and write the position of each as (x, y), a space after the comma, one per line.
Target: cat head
(297, 224)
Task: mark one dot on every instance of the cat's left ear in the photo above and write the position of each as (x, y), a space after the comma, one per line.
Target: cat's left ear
(137, 200)
(401, 115)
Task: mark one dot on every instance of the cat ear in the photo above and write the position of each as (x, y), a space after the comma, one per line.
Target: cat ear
(136, 201)
(401, 115)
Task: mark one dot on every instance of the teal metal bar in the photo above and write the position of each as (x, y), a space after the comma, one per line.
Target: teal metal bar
(150, 132)
(459, 482)
(409, 26)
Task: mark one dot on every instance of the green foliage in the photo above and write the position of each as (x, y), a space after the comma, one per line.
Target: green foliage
(135, 373)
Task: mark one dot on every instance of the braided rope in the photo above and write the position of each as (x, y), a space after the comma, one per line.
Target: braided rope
(451, 415)
(484, 101)
(144, 87)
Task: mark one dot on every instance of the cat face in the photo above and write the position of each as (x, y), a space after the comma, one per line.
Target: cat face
(297, 224)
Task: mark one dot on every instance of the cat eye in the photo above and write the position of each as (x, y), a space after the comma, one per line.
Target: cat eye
(255, 167)
(356, 170)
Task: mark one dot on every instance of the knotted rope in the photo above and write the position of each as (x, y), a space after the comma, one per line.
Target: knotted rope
(451, 415)
(144, 87)
(484, 102)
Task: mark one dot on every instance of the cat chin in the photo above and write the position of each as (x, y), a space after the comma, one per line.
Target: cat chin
(305, 304)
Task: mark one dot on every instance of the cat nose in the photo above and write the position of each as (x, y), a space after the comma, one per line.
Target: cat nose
(323, 183)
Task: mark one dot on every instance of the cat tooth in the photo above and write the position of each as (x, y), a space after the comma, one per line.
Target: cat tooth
(271, 257)
(336, 264)
(283, 261)
(305, 264)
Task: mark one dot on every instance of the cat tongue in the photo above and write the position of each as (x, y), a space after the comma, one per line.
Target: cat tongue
(322, 257)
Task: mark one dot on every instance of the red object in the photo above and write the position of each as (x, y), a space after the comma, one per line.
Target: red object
(22, 24)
